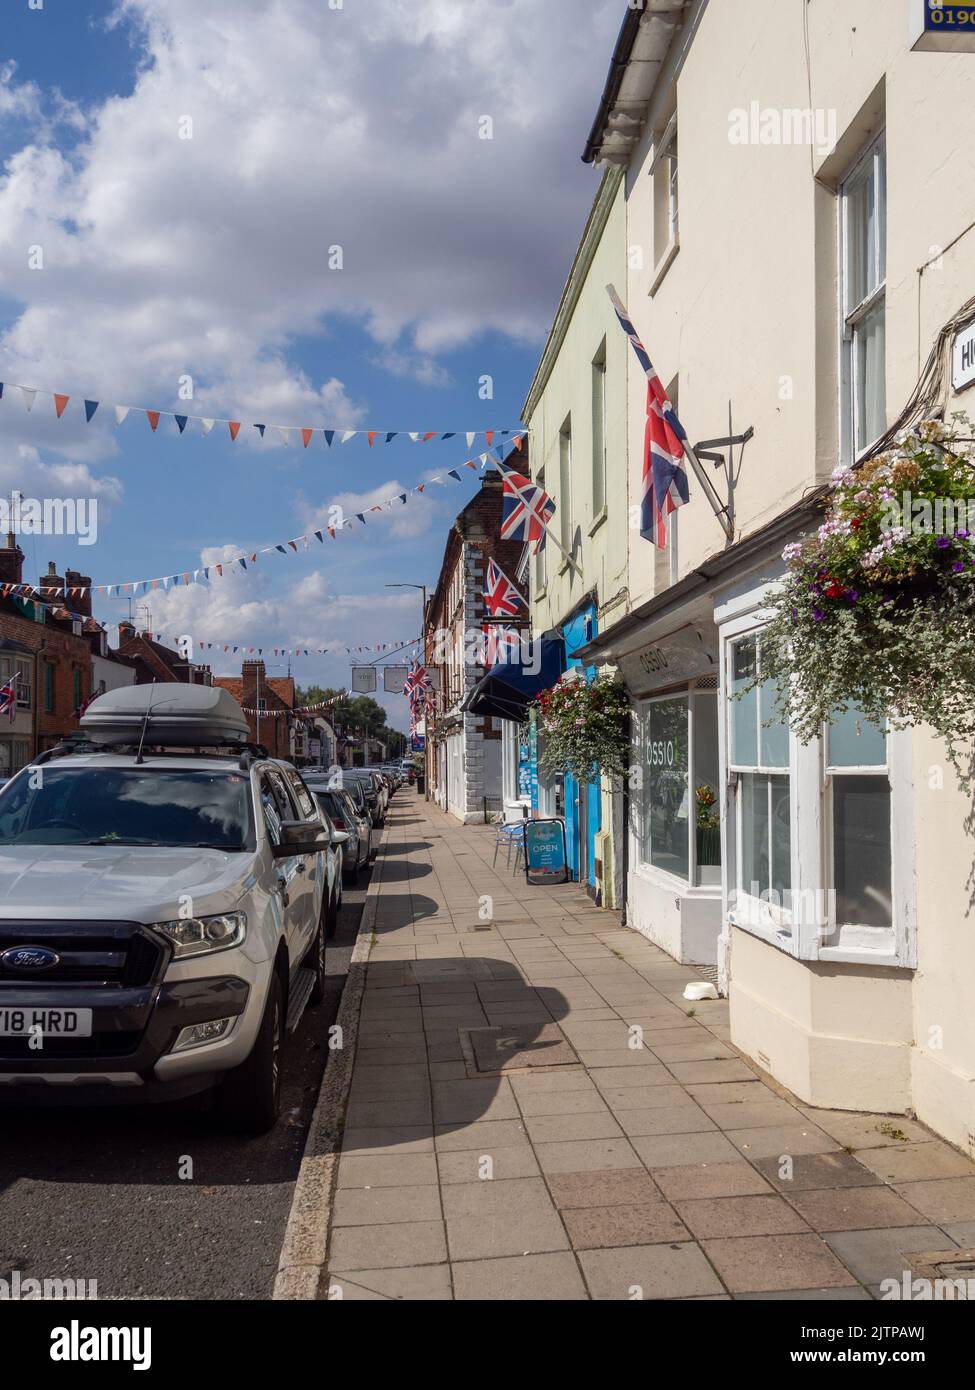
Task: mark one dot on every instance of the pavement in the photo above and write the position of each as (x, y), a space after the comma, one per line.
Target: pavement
(537, 1113)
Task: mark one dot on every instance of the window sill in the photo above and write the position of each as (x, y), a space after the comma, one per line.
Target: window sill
(663, 265)
(598, 520)
(660, 878)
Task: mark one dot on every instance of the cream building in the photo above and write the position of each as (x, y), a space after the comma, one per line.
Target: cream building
(576, 410)
(800, 202)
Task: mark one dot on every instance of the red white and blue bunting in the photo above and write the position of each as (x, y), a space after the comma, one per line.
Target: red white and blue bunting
(306, 433)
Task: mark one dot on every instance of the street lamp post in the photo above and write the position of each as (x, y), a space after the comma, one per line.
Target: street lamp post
(423, 619)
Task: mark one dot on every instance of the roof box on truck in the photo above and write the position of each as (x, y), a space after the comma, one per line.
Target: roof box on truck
(181, 716)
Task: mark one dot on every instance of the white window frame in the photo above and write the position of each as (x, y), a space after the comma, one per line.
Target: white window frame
(599, 457)
(541, 559)
(852, 316)
(811, 844)
(566, 515)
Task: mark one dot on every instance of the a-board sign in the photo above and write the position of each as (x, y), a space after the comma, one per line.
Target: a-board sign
(545, 856)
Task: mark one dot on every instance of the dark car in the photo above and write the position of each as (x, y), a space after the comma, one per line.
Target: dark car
(344, 814)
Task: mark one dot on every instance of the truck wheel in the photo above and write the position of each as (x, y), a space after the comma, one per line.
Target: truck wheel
(250, 1095)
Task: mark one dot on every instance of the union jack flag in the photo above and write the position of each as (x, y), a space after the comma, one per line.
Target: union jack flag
(501, 597)
(664, 479)
(417, 682)
(8, 699)
(526, 510)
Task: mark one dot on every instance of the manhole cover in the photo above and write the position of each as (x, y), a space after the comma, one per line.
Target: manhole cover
(523, 1045)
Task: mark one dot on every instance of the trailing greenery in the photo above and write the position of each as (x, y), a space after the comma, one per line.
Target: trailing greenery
(585, 724)
(878, 608)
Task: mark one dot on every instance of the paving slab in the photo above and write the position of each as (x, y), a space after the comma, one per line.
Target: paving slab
(526, 1278)
(649, 1223)
(649, 1271)
(876, 1255)
(755, 1264)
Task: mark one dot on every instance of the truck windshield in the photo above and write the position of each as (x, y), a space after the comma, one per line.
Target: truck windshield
(127, 806)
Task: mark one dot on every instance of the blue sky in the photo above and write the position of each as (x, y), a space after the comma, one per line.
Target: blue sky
(164, 257)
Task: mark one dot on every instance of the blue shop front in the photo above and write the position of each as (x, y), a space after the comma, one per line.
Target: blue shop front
(578, 803)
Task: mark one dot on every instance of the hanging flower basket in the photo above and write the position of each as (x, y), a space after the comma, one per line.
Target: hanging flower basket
(878, 609)
(585, 724)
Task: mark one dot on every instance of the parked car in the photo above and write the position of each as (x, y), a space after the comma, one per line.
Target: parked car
(345, 815)
(374, 788)
(167, 894)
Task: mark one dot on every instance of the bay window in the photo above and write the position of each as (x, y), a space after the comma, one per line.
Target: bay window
(820, 843)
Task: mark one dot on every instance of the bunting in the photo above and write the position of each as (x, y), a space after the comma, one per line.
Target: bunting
(132, 587)
(370, 433)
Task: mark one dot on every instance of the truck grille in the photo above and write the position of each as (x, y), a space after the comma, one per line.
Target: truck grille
(90, 953)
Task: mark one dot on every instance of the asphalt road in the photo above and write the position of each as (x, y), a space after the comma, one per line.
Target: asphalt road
(97, 1194)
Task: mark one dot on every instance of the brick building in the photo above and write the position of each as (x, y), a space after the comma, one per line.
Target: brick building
(265, 700)
(463, 756)
(48, 649)
(153, 661)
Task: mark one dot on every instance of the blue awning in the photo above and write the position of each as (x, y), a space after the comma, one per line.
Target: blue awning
(507, 690)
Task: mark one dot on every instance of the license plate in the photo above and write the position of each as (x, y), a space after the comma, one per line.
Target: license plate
(49, 1023)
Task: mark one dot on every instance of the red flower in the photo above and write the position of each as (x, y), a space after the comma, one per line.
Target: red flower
(834, 590)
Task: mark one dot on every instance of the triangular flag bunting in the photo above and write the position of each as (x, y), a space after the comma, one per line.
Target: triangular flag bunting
(347, 435)
(329, 436)
(90, 408)
(153, 417)
(121, 411)
(489, 436)
(181, 422)
(470, 439)
(371, 435)
(30, 395)
(306, 436)
(59, 403)
(431, 434)
(234, 428)
(391, 435)
(207, 425)
(285, 435)
(260, 429)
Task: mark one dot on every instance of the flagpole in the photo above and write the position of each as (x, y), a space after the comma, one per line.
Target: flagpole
(545, 527)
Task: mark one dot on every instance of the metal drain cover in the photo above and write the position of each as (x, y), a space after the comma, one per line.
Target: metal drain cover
(522, 1045)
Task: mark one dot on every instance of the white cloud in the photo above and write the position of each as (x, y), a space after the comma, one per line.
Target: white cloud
(312, 128)
(403, 520)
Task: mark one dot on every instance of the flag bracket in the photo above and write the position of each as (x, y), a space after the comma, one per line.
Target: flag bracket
(705, 449)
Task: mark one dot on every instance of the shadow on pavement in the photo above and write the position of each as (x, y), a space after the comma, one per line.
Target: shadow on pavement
(480, 1017)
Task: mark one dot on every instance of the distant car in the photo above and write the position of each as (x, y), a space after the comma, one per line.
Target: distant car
(345, 815)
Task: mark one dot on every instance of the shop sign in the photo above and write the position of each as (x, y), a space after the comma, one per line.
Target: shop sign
(679, 657)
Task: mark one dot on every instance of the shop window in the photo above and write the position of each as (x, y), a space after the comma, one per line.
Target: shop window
(680, 830)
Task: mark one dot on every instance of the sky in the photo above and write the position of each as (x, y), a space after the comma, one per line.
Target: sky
(280, 211)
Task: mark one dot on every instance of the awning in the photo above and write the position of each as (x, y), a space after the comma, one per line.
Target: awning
(506, 691)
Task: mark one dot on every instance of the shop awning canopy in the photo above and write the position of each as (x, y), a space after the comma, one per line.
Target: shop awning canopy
(507, 690)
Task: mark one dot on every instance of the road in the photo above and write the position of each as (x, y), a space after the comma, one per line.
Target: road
(97, 1194)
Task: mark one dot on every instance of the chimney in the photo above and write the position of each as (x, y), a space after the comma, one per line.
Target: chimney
(79, 603)
(126, 631)
(52, 582)
(11, 561)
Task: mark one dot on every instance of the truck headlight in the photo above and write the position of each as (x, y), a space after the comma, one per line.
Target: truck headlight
(198, 936)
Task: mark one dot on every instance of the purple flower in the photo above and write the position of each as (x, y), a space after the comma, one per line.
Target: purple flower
(818, 615)
(958, 566)
(963, 535)
(943, 542)
(853, 595)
